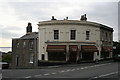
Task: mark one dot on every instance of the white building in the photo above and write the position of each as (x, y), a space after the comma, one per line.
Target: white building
(72, 40)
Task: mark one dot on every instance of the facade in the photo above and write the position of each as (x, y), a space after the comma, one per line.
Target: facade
(25, 49)
(62, 41)
(106, 38)
(74, 40)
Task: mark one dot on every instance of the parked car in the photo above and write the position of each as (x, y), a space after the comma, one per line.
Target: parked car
(116, 58)
(4, 65)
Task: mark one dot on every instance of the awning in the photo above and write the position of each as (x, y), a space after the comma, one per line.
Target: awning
(56, 48)
(73, 48)
(107, 48)
(89, 48)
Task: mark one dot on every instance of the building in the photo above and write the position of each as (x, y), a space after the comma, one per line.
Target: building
(25, 49)
(74, 40)
(62, 41)
(106, 38)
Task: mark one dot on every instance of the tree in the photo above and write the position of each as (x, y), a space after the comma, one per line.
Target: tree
(7, 58)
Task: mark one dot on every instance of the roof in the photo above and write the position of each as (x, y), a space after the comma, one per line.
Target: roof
(30, 36)
(74, 22)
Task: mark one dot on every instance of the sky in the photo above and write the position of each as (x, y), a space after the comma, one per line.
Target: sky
(15, 15)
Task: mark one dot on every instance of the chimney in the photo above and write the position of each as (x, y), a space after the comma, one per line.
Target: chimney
(66, 18)
(53, 18)
(29, 28)
(83, 18)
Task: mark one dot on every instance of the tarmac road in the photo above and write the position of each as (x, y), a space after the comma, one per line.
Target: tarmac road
(86, 70)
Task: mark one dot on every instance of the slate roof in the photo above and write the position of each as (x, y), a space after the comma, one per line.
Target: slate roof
(30, 36)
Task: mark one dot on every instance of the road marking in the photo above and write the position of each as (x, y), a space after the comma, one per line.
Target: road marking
(28, 77)
(78, 68)
(109, 63)
(72, 69)
(62, 71)
(108, 74)
(68, 70)
(85, 67)
(46, 74)
(38, 75)
(97, 65)
(53, 73)
(91, 66)
(95, 77)
(81, 68)
(53, 66)
(105, 75)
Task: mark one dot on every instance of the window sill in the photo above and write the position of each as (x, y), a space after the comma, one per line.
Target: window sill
(31, 62)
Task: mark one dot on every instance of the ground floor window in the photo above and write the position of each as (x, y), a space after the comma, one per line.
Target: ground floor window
(56, 56)
(43, 56)
(104, 55)
(17, 60)
(31, 59)
(86, 56)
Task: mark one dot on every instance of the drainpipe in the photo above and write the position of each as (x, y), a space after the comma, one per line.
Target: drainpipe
(35, 52)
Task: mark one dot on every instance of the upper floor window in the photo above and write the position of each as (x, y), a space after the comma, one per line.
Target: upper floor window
(73, 34)
(31, 44)
(24, 44)
(106, 36)
(87, 35)
(102, 35)
(18, 44)
(110, 36)
(56, 34)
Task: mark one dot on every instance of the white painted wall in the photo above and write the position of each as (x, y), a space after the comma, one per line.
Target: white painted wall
(46, 33)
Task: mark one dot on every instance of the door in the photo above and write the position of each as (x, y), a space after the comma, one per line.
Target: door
(73, 56)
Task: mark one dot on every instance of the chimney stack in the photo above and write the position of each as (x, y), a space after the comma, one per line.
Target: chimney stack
(53, 18)
(29, 28)
(83, 18)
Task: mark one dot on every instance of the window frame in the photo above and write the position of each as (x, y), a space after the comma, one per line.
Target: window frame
(88, 35)
(56, 34)
(31, 59)
(73, 34)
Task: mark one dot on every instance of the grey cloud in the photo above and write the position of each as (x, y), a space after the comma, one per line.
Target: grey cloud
(101, 12)
(8, 32)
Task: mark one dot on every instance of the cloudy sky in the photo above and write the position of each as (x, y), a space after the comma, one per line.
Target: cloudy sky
(15, 15)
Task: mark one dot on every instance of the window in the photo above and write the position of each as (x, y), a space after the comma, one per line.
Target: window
(18, 44)
(43, 56)
(24, 43)
(17, 59)
(56, 34)
(31, 58)
(102, 35)
(106, 36)
(87, 35)
(31, 44)
(110, 37)
(73, 35)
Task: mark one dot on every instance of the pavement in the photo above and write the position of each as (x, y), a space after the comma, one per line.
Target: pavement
(88, 71)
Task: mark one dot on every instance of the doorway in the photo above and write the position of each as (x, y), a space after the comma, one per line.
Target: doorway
(73, 56)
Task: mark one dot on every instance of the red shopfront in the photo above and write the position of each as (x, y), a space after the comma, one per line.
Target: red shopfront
(105, 53)
(56, 52)
(87, 52)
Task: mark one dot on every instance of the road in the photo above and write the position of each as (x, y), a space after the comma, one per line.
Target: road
(86, 70)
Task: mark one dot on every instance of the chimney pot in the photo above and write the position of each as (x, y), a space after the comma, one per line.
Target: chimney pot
(29, 28)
